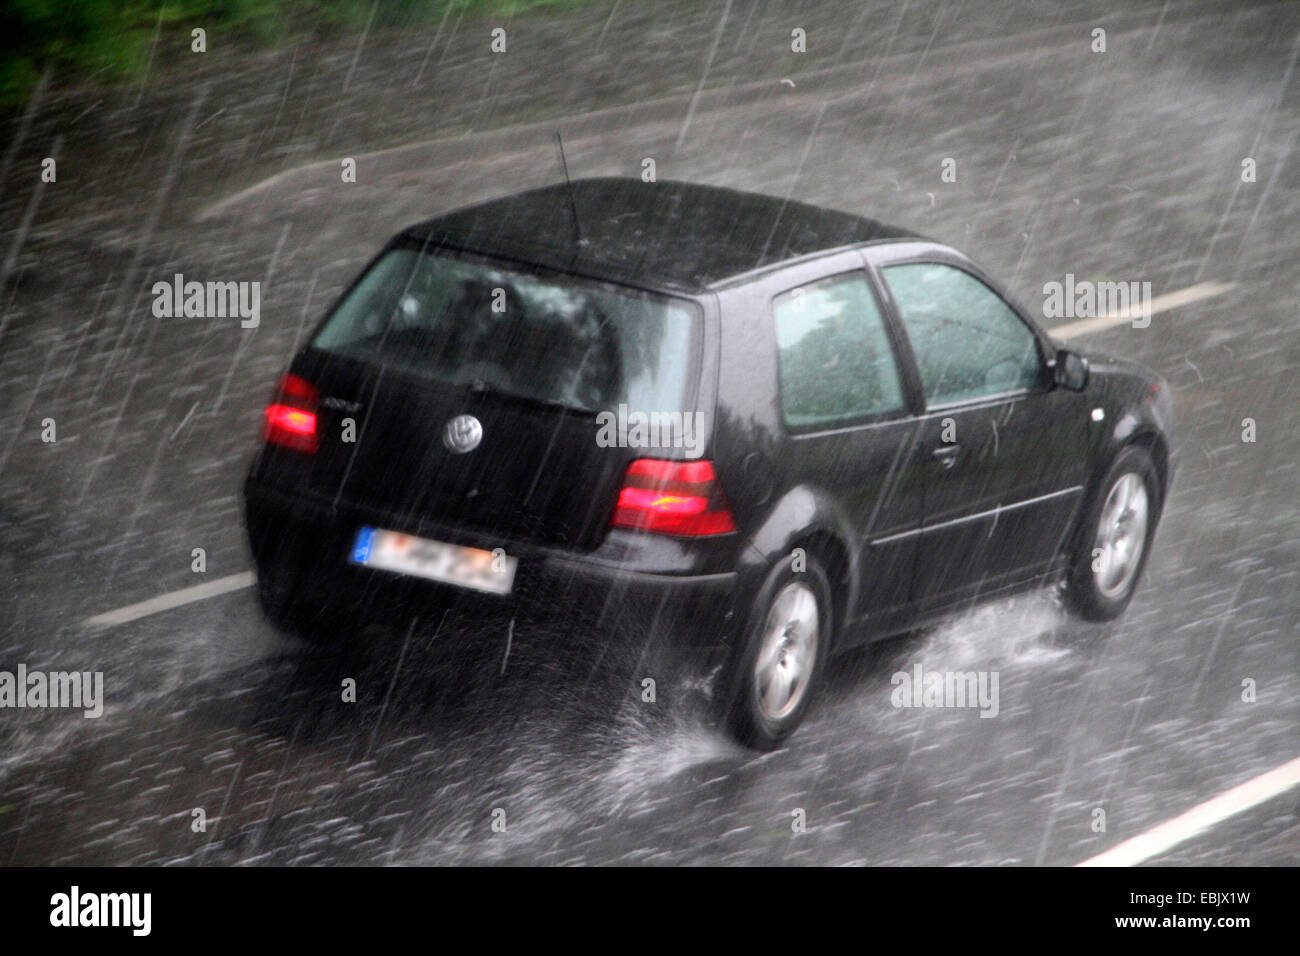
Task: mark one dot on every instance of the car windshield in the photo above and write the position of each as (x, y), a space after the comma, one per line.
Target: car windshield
(461, 321)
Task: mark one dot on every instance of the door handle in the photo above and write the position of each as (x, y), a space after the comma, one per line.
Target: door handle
(946, 455)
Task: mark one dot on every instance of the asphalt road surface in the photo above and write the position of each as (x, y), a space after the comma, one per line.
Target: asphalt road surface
(1123, 165)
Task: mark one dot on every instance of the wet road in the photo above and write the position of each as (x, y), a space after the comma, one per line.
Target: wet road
(1124, 165)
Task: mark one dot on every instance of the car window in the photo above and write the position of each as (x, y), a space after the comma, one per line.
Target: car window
(591, 346)
(967, 341)
(834, 353)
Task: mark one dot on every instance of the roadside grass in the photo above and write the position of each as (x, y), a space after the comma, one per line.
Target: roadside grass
(112, 42)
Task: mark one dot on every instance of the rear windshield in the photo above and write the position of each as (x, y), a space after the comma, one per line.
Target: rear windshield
(463, 321)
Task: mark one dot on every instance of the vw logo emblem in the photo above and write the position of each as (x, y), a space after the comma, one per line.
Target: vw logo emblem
(463, 433)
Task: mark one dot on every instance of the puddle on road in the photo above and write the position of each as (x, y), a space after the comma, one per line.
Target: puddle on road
(1018, 630)
(560, 790)
(563, 795)
(581, 766)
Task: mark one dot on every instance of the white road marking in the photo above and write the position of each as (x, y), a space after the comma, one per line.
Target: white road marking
(1161, 303)
(165, 602)
(1200, 818)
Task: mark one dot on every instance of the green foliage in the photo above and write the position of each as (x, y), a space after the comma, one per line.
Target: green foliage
(109, 41)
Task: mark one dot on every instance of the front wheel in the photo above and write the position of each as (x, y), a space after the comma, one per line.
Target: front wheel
(777, 667)
(1117, 532)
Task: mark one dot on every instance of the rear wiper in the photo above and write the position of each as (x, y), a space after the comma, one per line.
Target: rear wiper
(480, 387)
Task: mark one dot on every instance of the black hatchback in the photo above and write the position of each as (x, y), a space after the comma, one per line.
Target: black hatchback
(758, 426)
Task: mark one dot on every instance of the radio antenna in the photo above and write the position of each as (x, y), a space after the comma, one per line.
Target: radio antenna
(573, 206)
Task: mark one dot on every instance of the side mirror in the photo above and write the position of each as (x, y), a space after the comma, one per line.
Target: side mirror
(1070, 370)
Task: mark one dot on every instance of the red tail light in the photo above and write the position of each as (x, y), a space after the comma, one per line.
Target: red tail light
(673, 497)
(291, 418)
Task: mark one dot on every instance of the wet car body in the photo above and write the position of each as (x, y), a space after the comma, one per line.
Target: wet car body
(908, 509)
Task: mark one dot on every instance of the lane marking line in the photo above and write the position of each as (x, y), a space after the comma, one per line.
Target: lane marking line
(1200, 818)
(1161, 303)
(165, 602)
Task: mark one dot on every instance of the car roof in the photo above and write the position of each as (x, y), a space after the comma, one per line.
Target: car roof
(672, 234)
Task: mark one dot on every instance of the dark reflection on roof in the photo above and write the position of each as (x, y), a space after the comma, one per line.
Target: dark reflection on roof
(667, 233)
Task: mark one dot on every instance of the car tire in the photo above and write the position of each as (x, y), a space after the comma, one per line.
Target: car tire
(778, 661)
(1115, 536)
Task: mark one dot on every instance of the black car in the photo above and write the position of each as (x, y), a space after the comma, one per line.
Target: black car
(766, 428)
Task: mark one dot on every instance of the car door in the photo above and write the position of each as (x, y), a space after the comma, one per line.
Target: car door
(848, 406)
(1005, 448)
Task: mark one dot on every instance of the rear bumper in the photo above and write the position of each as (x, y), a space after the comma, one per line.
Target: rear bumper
(305, 544)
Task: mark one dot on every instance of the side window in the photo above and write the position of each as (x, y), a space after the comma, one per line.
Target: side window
(834, 354)
(968, 342)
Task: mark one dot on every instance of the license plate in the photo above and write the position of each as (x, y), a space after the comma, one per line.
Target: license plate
(491, 571)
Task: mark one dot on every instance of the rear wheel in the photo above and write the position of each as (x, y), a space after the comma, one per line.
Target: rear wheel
(776, 669)
(1117, 531)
